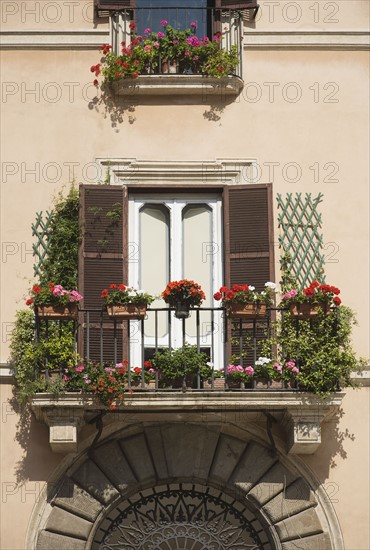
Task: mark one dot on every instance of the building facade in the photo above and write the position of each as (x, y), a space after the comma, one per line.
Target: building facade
(214, 178)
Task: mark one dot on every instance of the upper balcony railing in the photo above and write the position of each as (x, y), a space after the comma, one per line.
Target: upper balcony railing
(175, 55)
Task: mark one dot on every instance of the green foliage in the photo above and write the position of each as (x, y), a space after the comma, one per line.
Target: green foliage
(116, 212)
(60, 264)
(176, 365)
(321, 348)
(288, 281)
(30, 358)
(221, 62)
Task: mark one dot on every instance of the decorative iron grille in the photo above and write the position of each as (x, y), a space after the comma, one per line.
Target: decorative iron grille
(177, 518)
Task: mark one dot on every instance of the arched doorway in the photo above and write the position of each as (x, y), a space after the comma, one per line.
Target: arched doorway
(184, 486)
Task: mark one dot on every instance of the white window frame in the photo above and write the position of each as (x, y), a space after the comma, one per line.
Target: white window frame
(176, 206)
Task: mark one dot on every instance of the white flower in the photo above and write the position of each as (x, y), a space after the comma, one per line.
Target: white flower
(263, 361)
(271, 285)
(252, 288)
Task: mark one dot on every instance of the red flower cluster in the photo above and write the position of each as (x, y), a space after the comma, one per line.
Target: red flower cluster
(183, 291)
(105, 49)
(105, 292)
(96, 69)
(315, 289)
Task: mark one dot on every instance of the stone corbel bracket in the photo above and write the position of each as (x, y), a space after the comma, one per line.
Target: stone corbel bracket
(64, 426)
(300, 414)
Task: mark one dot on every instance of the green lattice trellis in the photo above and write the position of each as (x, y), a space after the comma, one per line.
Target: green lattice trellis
(40, 230)
(300, 237)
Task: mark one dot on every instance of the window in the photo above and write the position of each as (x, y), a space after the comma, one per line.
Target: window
(150, 13)
(152, 242)
(176, 236)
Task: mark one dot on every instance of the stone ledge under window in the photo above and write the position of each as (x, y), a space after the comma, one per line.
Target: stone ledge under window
(300, 414)
(179, 84)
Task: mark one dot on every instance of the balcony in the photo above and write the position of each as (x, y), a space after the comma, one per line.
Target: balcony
(124, 351)
(149, 56)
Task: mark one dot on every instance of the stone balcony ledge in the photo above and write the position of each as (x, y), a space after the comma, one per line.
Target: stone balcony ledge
(179, 85)
(300, 414)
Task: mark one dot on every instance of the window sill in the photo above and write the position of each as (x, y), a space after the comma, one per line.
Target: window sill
(179, 84)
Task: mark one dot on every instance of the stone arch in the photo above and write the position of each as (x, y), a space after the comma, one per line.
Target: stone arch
(214, 460)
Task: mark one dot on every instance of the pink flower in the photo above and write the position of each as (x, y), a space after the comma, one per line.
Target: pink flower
(187, 53)
(147, 48)
(249, 371)
(148, 30)
(193, 25)
(156, 44)
(151, 371)
(289, 294)
(278, 367)
(74, 296)
(164, 23)
(160, 35)
(295, 370)
(58, 290)
(290, 364)
(80, 368)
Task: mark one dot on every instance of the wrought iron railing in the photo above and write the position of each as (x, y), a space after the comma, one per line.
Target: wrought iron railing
(111, 341)
(210, 22)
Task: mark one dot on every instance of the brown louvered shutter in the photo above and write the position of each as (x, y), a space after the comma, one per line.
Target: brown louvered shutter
(103, 215)
(102, 7)
(249, 251)
(235, 5)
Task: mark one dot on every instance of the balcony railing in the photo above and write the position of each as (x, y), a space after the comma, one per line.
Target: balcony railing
(209, 20)
(111, 341)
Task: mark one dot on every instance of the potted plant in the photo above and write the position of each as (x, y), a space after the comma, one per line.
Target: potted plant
(268, 373)
(54, 302)
(243, 301)
(238, 376)
(179, 367)
(182, 295)
(126, 302)
(316, 299)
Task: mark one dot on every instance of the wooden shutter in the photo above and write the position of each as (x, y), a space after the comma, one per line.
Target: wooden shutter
(248, 228)
(235, 5)
(103, 253)
(103, 7)
(249, 252)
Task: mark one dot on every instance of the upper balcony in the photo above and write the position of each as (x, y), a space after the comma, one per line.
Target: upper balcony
(176, 50)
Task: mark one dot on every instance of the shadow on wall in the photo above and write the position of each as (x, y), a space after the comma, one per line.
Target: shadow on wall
(118, 108)
(38, 461)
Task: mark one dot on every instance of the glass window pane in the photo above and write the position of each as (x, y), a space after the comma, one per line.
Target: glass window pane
(178, 16)
(154, 259)
(197, 236)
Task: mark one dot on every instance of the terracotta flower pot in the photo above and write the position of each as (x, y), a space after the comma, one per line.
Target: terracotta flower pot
(307, 310)
(127, 312)
(250, 310)
(55, 312)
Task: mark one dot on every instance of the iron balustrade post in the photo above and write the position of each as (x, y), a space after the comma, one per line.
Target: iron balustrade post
(87, 335)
